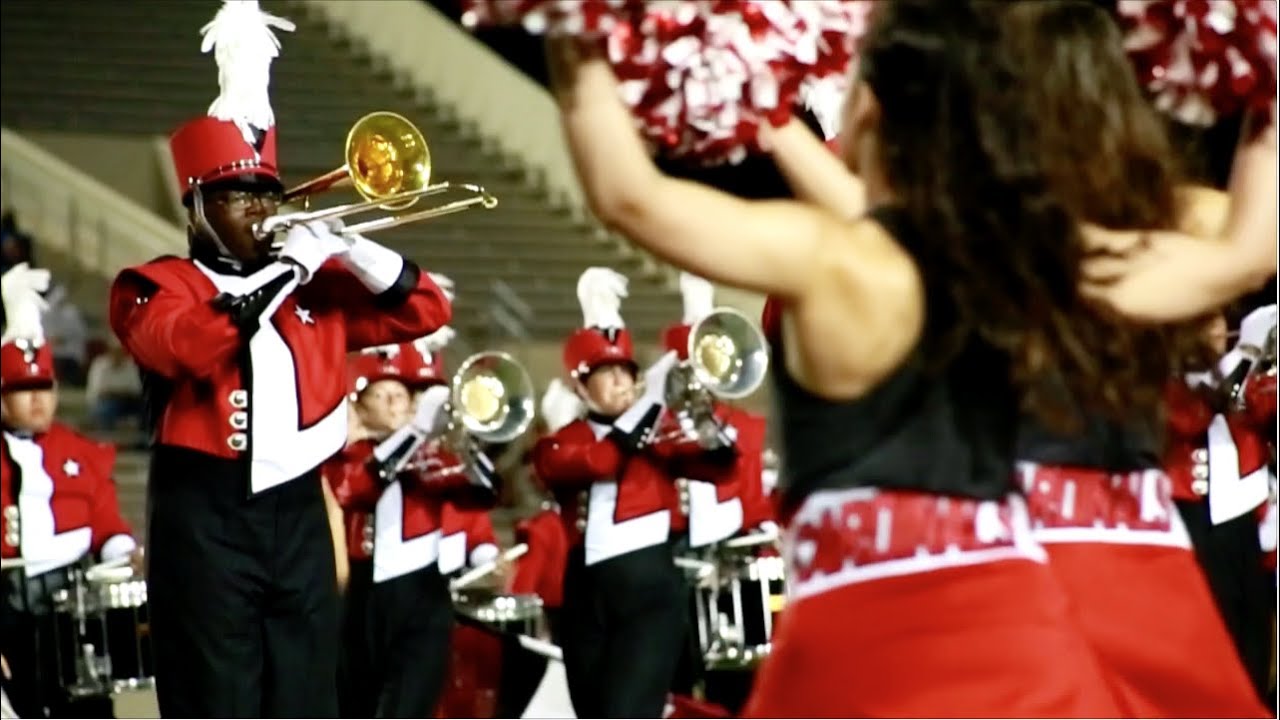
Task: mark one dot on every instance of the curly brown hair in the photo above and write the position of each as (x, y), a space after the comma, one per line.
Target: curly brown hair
(962, 148)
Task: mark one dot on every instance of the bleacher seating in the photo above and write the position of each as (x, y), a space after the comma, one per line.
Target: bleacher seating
(136, 70)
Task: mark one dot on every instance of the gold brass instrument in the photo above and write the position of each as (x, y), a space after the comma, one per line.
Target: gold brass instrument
(490, 401)
(728, 359)
(389, 164)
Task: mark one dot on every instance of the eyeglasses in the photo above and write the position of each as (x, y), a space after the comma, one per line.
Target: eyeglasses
(241, 199)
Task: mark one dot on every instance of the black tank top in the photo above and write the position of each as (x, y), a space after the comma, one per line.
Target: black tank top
(949, 430)
(1097, 443)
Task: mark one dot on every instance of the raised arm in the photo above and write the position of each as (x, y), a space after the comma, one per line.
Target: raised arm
(815, 174)
(1209, 261)
(832, 272)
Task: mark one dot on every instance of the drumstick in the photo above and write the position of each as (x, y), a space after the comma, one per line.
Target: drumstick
(473, 575)
(760, 538)
(542, 647)
(702, 567)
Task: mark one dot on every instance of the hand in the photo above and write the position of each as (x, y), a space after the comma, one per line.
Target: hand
(655, 379)
(426, 418)
(445, 283)
(310, 244)
(138, 562)
(4, 667)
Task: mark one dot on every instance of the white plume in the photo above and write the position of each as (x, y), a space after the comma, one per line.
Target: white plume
(20, 290)
(600, 292)
(699, 297)
(244, 45)
(561, 405)
(436, 341)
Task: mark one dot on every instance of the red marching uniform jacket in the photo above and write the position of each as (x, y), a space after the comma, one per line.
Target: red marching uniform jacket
(467, 537)
(730, 496)
(1190, 416)
(59, 499)
(611, 502)
(540, 571)
(285, 410)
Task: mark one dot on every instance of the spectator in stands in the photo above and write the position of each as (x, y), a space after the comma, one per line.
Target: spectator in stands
(68, 335)
(113, 389)
(15, 246)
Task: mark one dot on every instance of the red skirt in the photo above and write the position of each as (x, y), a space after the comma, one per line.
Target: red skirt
(1117, 545)
(916, 605)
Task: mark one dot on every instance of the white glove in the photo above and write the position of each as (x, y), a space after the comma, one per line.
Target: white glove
(1256, 326)
(445, 283)
(560, 405)
(427, 417)
(655, 382)
(310, 244)
(376, 266)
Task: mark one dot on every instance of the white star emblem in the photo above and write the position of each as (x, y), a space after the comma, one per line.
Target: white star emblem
(303, 315)
(71, 468)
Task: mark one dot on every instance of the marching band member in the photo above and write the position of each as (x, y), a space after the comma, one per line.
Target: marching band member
(399, 611)
(1218, 457)
(59, 503)
(243, 353)
(720, 485)
(540, 571)
(621, 588)
(902, 358)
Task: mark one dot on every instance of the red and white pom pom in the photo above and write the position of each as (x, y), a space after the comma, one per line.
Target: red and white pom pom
(1204, 59)
(580, 18)
(702, 75)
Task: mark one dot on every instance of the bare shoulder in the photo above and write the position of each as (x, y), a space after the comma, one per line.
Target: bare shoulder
(862, 316)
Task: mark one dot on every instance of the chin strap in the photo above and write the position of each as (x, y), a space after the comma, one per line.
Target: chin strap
(203, 227)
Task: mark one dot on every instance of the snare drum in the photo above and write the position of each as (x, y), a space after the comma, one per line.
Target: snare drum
(511, 613)
(736, 612)
(102, 635)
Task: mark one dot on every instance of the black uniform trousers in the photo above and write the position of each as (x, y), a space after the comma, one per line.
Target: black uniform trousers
(395, 643)
(40, 659)
(243, 592)
(623, 632)
(1231, 556)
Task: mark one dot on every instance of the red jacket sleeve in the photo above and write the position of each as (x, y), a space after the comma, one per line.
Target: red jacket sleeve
(351, 479)
(166, 328)
(380, 319)
(682, 456)
(105, 517)
(1260, 399)
(573, 458)
(1188, 413)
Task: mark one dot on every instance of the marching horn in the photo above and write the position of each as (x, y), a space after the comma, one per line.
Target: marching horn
(728, 359)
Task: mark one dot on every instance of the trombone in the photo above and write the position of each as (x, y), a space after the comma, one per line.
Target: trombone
(490, 401)
(389, 164)
(728, 359)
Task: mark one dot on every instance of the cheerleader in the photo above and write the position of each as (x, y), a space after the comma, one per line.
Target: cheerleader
(901, 361)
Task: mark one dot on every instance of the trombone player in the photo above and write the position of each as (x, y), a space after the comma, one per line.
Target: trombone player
(243, 355)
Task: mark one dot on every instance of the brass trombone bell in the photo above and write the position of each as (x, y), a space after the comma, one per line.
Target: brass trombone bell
(388, 163)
